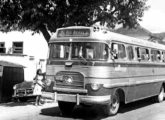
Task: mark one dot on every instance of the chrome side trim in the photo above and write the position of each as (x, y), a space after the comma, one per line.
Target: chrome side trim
(126, 84)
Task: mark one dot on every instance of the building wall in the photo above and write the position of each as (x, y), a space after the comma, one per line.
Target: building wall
(35, 48)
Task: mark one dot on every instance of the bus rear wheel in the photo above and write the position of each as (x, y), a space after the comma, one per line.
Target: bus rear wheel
(113, 107)
(66, 108)
(160, 96)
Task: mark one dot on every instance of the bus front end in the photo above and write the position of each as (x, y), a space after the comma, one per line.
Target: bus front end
(78, 65)
(70, 86)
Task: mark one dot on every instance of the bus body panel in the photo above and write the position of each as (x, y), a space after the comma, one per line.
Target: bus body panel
(137, 81)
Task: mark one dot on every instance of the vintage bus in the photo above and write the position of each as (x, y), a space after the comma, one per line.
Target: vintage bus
(94, 66)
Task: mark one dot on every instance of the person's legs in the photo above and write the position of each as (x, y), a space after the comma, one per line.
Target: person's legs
(36, 102)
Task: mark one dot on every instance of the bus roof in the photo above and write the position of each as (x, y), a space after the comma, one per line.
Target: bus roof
(96, 33)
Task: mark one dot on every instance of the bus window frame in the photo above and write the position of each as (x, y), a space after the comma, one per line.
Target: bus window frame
(163, 56)
(146, 55)
(156, 55)
(116, 53)
(69, 55)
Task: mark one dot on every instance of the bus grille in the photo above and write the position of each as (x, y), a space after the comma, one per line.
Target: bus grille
(67, 79)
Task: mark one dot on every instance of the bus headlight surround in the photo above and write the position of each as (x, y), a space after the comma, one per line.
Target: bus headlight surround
(95, 86)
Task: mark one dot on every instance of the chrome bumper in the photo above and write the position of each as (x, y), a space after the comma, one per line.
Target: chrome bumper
(77, 97)
(82, 98)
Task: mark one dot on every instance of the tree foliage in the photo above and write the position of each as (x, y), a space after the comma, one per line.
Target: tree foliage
(48, 15)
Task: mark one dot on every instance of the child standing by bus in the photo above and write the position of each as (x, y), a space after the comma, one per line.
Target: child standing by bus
(38, 85)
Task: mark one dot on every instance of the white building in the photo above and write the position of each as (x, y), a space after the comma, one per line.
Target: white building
(24, 49)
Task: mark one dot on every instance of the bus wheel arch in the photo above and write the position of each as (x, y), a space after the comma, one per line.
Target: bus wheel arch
(121, 95)
(116, 98)
(160, 96)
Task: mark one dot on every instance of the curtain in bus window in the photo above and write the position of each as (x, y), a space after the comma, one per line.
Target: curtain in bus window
(137, 49)
(130, 53)
(100, 51)
(153, 55)
(158, 55)
(163, 56)
(121, 50)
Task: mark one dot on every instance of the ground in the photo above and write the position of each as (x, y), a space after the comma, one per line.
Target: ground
(141, 110)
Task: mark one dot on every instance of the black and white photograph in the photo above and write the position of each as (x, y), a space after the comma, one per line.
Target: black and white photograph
(82, 60)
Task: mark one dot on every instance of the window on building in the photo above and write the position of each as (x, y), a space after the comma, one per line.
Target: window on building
(2, 47)
(18, 47)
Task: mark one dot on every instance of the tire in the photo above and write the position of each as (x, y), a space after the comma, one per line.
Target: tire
(15, 100)
(22, 99)
(66, 108)
(160, 96)
(113, 107)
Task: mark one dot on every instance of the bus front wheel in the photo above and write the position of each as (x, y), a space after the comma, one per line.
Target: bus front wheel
(66, 108)
(113, 107)
(160, 96)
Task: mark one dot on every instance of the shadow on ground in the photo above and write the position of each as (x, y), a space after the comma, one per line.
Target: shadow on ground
(79, 112)
(17, 103)
(137, 105)
(95, 112)
(13, 104)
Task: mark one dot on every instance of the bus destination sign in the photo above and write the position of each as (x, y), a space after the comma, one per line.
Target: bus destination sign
(73, 33)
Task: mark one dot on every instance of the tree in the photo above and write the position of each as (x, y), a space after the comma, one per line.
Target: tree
(47, 15)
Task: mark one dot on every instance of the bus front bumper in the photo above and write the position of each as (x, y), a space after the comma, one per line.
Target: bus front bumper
(77, 98)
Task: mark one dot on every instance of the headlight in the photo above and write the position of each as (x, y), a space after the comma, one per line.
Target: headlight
(14, 87)
(95, 86)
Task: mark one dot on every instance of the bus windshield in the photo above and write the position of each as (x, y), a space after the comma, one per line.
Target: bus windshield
(77, 50)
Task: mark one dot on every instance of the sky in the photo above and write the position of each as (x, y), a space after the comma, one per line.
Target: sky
(154, 17)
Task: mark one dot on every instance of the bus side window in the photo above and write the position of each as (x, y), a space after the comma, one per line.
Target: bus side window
(153, 55)
(119, 51)
(130, 52)
(137, 49)
(114, 50)
(144, 54)
(158, 56)
(105, 52)
(122, 52)
(163, 56)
